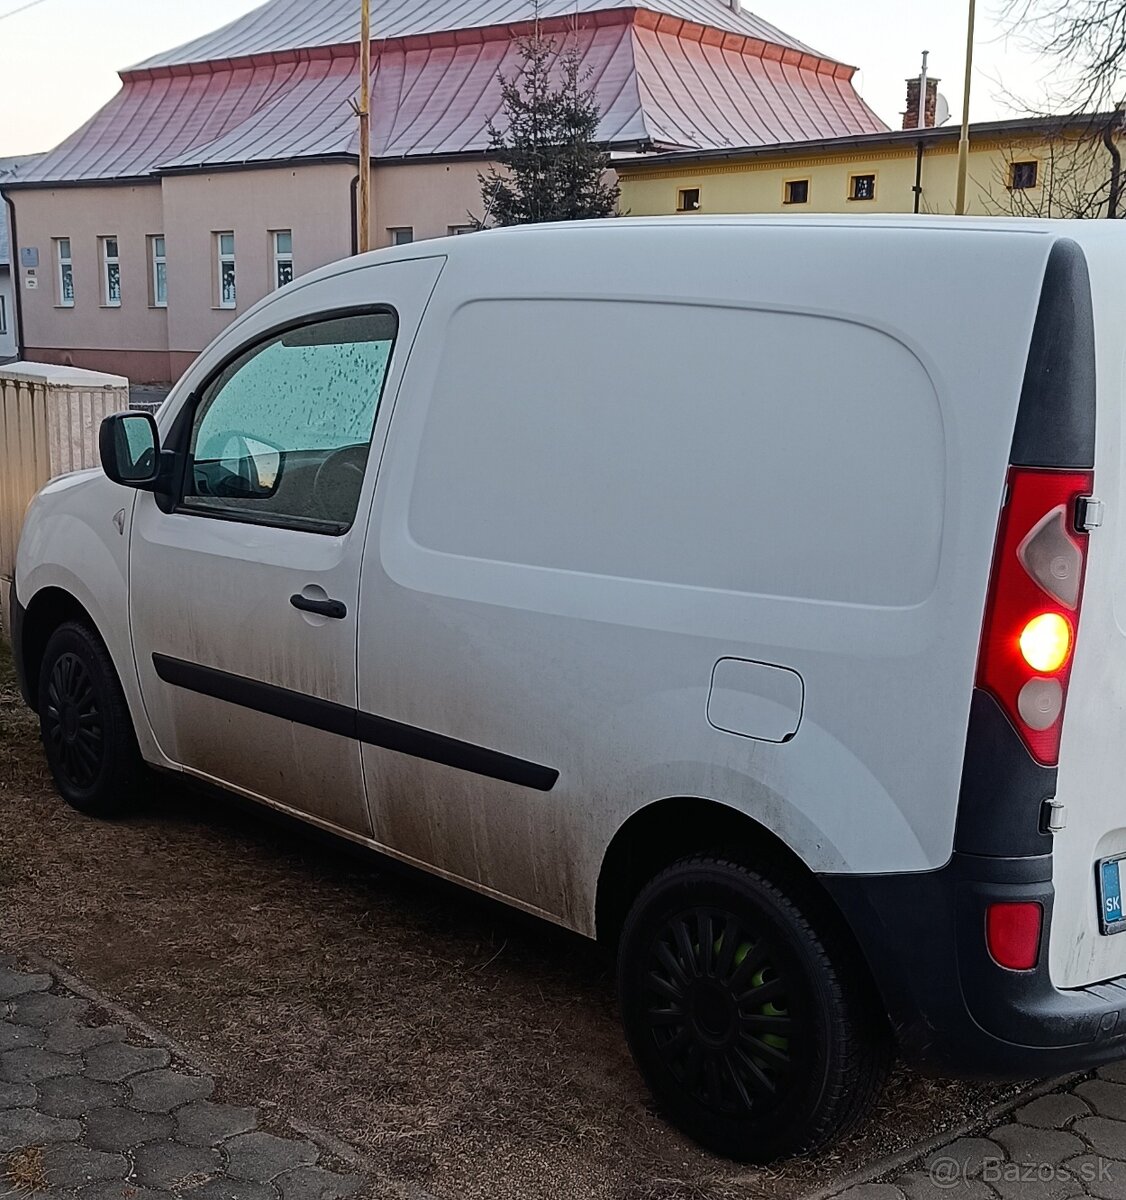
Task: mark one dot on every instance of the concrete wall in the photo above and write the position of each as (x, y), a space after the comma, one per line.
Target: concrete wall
(429, 198)
(1068, 172)
(130, 340)
(314, 202)
(8, 335)
(151, 344)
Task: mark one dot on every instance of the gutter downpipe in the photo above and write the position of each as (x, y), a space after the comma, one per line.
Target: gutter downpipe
(355, 216)
(14, 267)
(918, 188)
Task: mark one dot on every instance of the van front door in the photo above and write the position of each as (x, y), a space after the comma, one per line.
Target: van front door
(243, 597)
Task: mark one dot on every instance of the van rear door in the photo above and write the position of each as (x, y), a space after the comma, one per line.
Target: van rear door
(1084, 347)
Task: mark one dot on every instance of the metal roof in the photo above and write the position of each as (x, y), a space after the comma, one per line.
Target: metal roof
(1016, 128)
(686, 87)
(282, 25)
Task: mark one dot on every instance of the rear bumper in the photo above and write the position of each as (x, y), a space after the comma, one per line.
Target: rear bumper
(951, 1005)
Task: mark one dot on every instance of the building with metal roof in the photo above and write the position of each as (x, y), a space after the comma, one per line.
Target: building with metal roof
(241, 147)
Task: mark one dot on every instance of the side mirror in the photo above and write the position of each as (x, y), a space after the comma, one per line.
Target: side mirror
(129, 445)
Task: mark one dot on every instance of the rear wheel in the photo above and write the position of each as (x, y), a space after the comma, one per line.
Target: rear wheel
(754, 1030)
(84, 721)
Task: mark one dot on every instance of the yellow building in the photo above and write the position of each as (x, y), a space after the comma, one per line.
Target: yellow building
(1028, 167)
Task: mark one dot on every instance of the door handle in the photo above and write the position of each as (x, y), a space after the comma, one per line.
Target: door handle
(336, 609)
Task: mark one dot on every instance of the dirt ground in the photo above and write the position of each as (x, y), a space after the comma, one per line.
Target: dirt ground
(466, 1049)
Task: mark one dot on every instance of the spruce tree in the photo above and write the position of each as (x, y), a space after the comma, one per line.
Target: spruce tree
(553, 168)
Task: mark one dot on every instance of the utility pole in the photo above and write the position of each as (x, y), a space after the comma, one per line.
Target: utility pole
(964, 141)
(363, 239)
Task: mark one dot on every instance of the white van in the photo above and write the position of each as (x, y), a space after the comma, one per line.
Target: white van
(708, 586)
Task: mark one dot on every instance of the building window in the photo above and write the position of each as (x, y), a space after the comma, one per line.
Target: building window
(282, 240)
(65, 273)
(401, 237)
(862, 187)
(158, 285)
(454, 230)
(1023, 176)
(225, 270)
(796, 192)
(3, 314)
(688, 200)
(111, 273)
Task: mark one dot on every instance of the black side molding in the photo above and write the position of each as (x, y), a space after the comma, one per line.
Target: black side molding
(351, 723)
(1055, 424)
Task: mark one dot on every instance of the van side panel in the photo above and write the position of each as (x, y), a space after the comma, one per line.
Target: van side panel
(550, 600)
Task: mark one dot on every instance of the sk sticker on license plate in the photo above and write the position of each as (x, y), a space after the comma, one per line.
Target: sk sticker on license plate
(1109, 873)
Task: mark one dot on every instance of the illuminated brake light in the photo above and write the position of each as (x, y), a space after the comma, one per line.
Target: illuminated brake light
(1045, 642)
(1012, 933)
(1035, 597)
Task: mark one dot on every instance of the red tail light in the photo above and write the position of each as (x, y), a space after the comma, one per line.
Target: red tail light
(1032, 614)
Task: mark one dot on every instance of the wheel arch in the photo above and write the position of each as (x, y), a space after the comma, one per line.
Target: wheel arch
(667, 830)
(49, 608)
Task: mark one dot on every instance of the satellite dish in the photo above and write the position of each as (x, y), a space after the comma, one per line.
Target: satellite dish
(941, 110)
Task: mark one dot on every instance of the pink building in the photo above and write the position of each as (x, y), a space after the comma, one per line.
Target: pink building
(225, 167)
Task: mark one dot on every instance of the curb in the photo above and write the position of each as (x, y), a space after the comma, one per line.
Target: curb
(901, 1160)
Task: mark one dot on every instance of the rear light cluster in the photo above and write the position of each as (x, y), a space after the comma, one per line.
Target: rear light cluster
(1035, 594)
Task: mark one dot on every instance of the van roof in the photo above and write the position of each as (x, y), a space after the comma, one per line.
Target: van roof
(1083, 232)
(1086, 233)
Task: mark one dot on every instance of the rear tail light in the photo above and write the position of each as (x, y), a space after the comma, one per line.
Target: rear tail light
(1012, 933)
(1032, 614)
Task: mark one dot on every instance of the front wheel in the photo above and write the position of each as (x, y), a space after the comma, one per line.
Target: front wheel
(753, 1029)
(84, 721)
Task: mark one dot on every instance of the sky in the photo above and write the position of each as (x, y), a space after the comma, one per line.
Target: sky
(59, 58)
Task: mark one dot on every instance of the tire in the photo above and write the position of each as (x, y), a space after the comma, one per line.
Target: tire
(757, 1033)
(87, 732)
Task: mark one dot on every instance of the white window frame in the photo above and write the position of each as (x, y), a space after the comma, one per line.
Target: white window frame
(64, 269)
(221, 260)
(281, 257)
(395, 230)
(455, 230)
(108, 261)
(156, 261)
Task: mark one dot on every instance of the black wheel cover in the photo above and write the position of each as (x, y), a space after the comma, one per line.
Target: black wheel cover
(72, 722)
(717, 1009)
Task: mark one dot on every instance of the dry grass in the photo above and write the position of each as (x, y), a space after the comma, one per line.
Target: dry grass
(25, 1171)
(466, 1048)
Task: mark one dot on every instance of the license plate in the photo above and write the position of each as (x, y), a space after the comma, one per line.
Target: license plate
(1110, 873)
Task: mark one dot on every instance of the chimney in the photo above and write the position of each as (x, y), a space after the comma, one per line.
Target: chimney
(915, 87)
(735, 5)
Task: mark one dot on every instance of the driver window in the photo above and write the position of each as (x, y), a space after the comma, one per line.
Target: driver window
(281, 436)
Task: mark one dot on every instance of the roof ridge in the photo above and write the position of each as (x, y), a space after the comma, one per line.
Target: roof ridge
(290, 25)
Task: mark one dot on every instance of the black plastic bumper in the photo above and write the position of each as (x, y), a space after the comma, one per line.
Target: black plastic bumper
(17, 612)
(951, 1005)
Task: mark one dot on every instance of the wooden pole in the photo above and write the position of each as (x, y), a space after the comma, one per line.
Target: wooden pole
(964, 141)
(364, 221)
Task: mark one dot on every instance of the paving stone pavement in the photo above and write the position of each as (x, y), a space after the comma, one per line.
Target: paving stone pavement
(88, 1111)
(1070, 1142)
